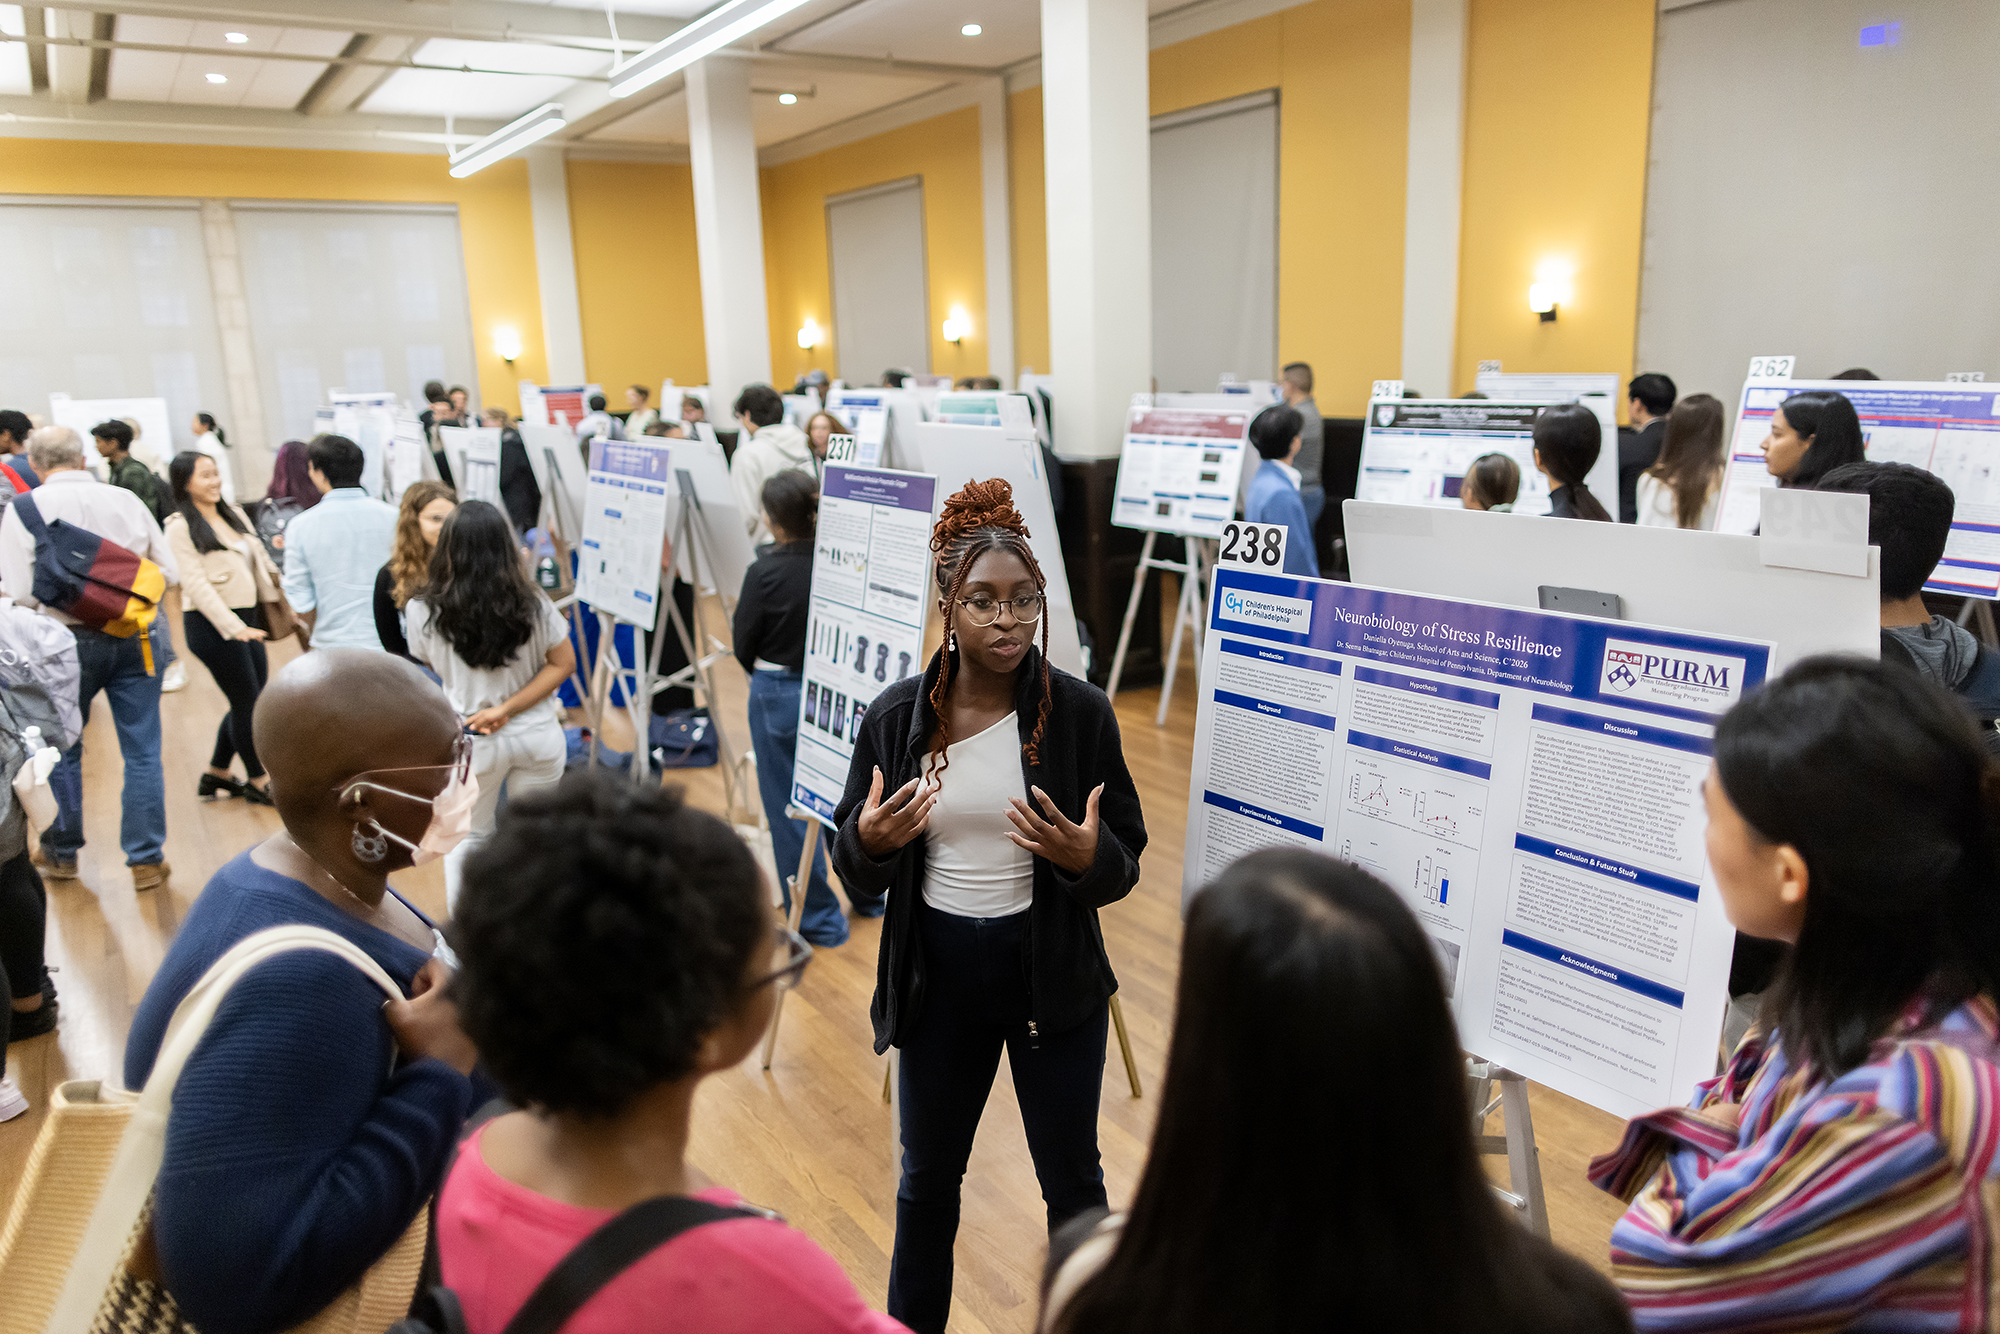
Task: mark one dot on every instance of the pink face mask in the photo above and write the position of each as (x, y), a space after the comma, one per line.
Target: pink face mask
(451, 808)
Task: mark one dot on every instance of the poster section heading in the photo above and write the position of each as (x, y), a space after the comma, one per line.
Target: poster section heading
(624, 528)
(1528, 782)
(1952, 430)
(871, 594)
(1179, 469)
(1417, 451)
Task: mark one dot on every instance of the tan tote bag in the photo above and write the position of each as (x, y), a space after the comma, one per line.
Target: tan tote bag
(85, 1201)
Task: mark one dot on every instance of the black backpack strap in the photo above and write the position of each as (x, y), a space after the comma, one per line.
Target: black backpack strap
(609, 1252)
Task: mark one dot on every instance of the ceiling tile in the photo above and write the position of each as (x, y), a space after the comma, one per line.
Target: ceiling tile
(416, 92)
(13, 55)
(673, 9)
(141, 76)
(926, 30)
(280, 84)
(660, 122)
(825, 100)
(191, 83)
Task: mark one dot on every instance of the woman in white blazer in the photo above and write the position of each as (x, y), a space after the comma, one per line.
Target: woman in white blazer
(226, 577)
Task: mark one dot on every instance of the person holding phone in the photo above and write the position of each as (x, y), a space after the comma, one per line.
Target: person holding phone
(989, 801)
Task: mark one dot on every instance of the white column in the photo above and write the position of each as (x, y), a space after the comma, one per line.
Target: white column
(728, 228)
(1097, 148)
(997, 196)
(1431, 212)
(555, 266)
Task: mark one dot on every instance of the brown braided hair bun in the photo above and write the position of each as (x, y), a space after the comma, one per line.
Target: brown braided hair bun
(980, 518)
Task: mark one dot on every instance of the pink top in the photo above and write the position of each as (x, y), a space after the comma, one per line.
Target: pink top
(497, 1240)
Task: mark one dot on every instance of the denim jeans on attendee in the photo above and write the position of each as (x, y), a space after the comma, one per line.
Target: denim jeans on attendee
(118, 668)
(774, 735)
(976, 1002)
(1313, 497)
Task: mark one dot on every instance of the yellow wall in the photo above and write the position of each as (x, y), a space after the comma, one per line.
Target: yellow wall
(944, 151)
(638, 277)
(1027, 190)
(493, 216)
(1557, 112)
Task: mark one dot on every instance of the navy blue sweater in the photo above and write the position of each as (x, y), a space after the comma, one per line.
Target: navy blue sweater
(294, 1157)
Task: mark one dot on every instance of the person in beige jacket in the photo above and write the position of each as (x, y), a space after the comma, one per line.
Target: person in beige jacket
(226, 577)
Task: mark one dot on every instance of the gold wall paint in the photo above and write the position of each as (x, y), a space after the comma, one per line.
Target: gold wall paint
(638, 276)
(494, 221)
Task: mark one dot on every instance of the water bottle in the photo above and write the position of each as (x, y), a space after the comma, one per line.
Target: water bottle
(545, 573)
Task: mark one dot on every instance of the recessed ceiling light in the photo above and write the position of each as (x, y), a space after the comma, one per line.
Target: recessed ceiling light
(787, 99)
(971, 30)
(236, 38)
(218, 78)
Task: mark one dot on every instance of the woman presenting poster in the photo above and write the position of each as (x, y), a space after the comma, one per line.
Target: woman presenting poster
(989, 800)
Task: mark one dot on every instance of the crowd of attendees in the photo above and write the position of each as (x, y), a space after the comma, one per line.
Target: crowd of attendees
(609, 947)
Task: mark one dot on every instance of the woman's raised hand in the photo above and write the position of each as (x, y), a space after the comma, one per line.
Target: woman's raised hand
(1057, 839)
(886, 826)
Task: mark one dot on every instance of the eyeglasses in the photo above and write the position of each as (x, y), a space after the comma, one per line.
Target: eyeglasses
(983, 610)
(460, 766)
(789, 956)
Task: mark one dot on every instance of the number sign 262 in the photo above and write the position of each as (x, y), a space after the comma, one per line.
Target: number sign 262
(1254, 546)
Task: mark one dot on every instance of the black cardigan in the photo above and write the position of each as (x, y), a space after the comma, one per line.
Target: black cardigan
(1069, 975)
(772, 610)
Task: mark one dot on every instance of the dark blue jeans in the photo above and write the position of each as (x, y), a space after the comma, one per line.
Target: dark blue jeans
(976, 1004)
(118, 668)
(774, 735)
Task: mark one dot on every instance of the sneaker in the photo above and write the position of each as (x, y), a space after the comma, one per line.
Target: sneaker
(25, 1024)
(175, 679)
(52, 867)
(12, 1101)
(150, 875)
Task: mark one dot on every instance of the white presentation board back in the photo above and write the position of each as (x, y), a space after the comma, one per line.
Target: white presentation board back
(1950, 429)
(1415, 451)
(474, 455)
(368, 418)
(625, 528)
(1528, 782)
(403, 467)
(871, 595)
(728, 537)
(153, 430)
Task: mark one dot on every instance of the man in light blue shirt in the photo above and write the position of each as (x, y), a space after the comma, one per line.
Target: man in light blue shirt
(334, 550)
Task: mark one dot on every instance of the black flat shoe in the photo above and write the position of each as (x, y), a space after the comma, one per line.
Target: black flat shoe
(255, 795)
(210, 786)
(25, 1024)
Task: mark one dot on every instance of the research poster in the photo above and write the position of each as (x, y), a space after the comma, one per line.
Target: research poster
(871, 592)
(405, 463)
(474, 452)
(368, 418)
(625, 527)
(1416, 451)
(1529, 782)
(556, 405)
(1952, 430)
(865, 414)
(1180, 468)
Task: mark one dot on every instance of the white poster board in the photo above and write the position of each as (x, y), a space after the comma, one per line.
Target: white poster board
(871, 593)
(474, 453)
(1950, 429)
(956, 455)
(544, 404)
(369, 420)
(1415, 451)
(625, 528)
(1703, 582)
(1528, 782)
(152, 427)
(701, 461)
(877, 418)
(408, 451)
(1180, 468)
(1599, 393)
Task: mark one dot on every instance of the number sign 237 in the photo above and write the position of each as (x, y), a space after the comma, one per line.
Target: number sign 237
(1254, 546)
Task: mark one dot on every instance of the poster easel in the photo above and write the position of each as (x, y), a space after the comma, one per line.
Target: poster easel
(1193, 572)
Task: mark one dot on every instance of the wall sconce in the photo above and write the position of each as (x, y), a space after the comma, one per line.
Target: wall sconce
(507, 342)
(957, 325)
(1550, 290)
(810, 334)
(1542, 300)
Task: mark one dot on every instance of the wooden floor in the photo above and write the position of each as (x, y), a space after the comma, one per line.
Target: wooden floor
(810, 1138)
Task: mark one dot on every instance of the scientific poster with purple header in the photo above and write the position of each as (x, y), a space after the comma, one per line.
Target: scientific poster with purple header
(1528, 782)
(871, 595)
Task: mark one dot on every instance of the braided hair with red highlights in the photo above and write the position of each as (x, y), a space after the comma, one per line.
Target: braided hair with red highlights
(980, 518)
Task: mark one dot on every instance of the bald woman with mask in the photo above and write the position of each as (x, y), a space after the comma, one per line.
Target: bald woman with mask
(296, 1155)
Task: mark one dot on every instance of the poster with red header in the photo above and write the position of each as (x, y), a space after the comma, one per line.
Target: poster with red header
(1180, 469)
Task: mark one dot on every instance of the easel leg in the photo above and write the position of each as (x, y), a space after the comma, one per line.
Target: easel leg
(799, 884)
(1184, 614)
(1524, 1162)
(1139, 574)
(1125, 1046)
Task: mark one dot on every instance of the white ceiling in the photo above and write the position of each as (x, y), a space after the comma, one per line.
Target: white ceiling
(158, 76)
(822, 100)
(545, 72)
(926, 30)
(13, 55)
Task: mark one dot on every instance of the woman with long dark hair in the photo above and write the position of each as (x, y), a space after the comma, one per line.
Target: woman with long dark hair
(988, 799)
(1683, 488)
(419, 519)
(226, 577)
(1567, 440)
(1812, 434)
(500, 649)
(1839, 1173)
(1279, 1196)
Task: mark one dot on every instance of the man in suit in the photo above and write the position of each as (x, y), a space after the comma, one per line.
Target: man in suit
(1652, 398)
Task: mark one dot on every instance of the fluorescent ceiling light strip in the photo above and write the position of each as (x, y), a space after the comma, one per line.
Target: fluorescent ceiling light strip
(711, 32)
(540, 123)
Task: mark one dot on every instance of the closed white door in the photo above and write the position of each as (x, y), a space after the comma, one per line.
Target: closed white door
(881, 303)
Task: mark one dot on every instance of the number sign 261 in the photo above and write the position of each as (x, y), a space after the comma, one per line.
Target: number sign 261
(1254, 546)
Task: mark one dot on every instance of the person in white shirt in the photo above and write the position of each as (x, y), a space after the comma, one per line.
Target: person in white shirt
(597, 424)
(1683, 488)
(125, 670)
(768, 446)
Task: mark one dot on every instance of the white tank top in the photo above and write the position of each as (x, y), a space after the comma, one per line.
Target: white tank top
(971, 867)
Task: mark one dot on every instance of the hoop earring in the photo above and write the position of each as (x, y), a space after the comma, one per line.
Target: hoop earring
(371, 848)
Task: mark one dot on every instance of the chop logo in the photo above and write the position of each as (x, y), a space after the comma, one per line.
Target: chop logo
(1387, 413)
(1681, 678)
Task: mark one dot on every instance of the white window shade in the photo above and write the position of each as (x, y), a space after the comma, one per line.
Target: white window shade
(1215, 244)
(368, 297)
(109, 301)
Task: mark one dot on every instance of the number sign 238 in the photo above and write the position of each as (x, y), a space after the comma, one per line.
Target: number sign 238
(1254, 546)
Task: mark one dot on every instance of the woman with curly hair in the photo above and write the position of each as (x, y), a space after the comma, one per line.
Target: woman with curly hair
(500, 649)
(989, 801)
(425, 507)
